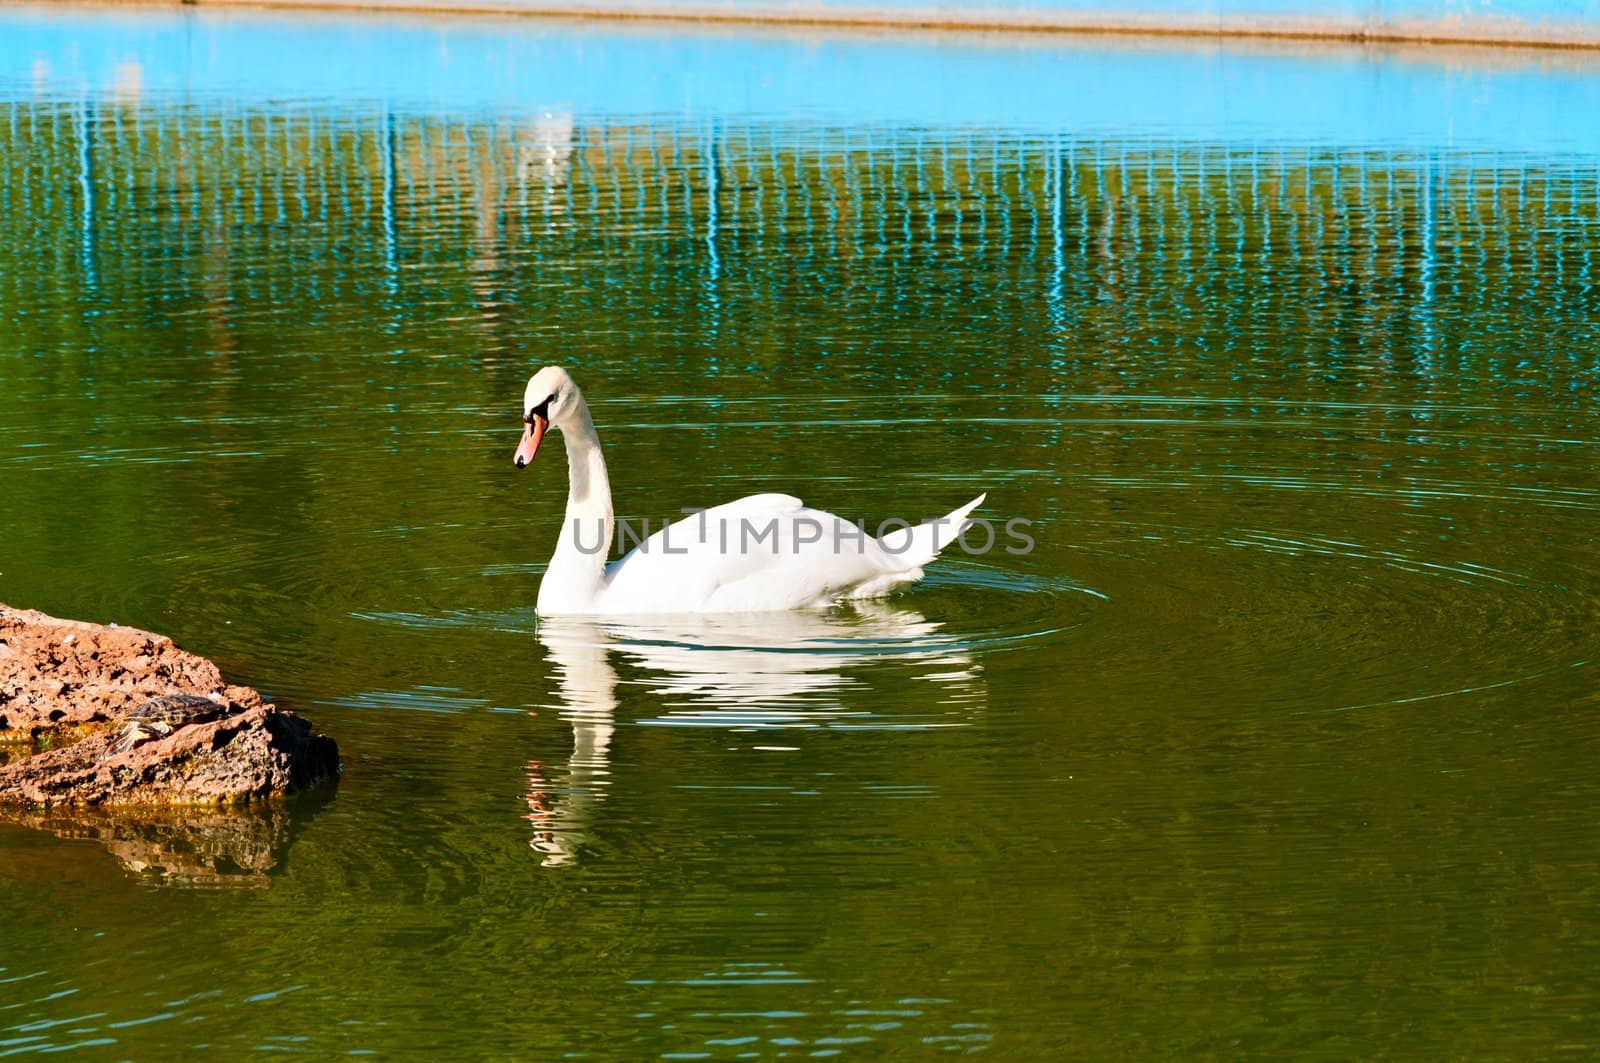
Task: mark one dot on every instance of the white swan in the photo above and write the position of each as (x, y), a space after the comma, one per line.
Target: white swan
(761, 553)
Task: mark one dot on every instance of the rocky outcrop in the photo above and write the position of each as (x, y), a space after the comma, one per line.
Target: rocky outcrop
(57, 673)
(64, 687)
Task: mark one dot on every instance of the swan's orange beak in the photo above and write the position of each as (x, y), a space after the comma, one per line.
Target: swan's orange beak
(532, 433)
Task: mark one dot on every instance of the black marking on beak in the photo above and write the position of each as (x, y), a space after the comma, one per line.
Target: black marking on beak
(541, 410)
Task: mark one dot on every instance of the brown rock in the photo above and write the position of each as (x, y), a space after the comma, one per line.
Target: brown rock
(57, 672)
(61, 678)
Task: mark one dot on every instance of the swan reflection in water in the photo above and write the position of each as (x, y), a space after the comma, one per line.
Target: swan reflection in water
(798, 669)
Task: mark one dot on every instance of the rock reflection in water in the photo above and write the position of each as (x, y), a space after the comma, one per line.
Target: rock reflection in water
(193, 847)
(739, 672)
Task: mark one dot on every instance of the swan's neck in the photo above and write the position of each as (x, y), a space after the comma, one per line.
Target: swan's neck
(577, 569)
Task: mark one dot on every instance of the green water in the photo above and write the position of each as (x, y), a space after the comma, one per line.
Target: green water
(1279, 743)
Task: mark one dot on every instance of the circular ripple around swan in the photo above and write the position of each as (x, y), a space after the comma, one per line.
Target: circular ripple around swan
(1285, 621)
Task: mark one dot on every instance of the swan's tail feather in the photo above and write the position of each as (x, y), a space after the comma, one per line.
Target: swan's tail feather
(915, 547)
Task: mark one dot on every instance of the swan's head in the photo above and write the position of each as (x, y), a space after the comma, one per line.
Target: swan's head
(550, 398)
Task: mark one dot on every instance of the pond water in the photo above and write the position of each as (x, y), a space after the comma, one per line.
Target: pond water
(1280, 741)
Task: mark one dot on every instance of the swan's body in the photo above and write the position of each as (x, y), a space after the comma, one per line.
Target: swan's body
(761, 553)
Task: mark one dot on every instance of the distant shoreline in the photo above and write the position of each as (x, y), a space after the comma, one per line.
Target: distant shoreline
(1483, 30)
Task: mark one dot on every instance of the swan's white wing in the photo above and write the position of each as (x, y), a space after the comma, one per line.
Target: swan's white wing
(761, 552)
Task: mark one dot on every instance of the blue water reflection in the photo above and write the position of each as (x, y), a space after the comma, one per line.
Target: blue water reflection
(1249, 93)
